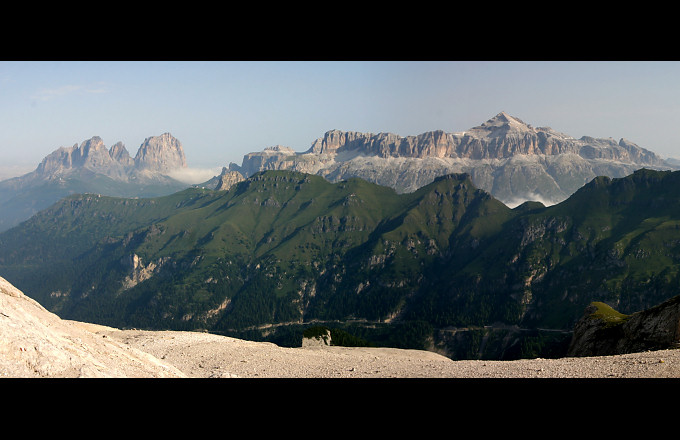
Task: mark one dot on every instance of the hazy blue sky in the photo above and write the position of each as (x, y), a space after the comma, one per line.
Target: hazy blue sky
(223, 110)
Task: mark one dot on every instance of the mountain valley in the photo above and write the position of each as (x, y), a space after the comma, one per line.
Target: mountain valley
(446, 268)
(434, 242)
(38, 344)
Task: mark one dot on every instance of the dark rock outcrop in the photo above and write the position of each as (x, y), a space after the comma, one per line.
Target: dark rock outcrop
(600, 334)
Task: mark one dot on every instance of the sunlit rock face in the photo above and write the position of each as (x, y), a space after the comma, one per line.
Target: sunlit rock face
(510, 159)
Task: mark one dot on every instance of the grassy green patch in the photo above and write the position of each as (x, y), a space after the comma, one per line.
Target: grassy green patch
(608, 315)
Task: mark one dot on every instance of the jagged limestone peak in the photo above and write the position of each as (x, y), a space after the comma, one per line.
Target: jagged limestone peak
(227, 179)
(501, 124)
(161, 153)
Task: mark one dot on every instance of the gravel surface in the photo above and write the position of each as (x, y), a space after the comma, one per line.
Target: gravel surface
(206, 355)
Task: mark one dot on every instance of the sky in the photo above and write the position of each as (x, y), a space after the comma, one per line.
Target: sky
(222, 110)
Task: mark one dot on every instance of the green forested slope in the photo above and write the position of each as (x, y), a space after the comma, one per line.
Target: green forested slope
(285, 248)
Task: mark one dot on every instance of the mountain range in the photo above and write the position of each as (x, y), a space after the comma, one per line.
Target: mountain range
(447, 267)
(513, 161)
(504, 156)
(91, 167)
(436, 241)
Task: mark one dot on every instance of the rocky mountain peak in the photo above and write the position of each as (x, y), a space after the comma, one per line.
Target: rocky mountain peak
(160, 153)
(227, 179)
(512, 160)
(279, 149)
(501, 124)
(503, 118)
(120, 154)
(78, 169)
(91, 153)
(95, 143)
(335, 140)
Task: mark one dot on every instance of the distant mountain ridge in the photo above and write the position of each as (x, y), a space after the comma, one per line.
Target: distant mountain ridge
(501, 137)
(510, 159)
(513, 161)
(91, 167)
(157, 153)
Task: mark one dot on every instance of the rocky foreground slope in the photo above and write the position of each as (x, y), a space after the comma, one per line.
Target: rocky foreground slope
(35, 343)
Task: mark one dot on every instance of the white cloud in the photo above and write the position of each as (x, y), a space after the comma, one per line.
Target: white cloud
(194, 175)
(530, 197)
